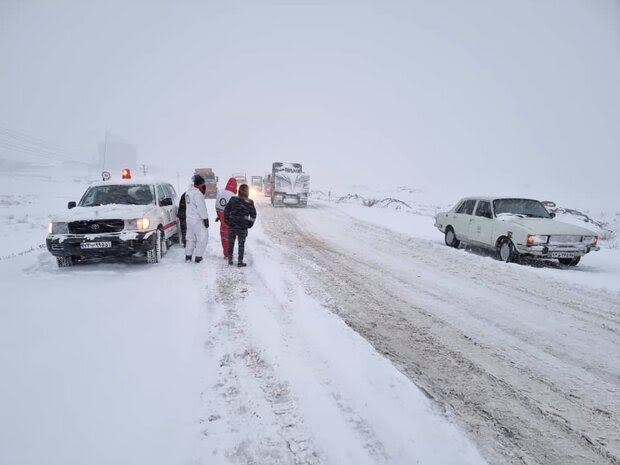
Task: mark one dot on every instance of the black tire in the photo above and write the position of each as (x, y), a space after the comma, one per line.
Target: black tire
(64, 262)
(506, 251)
(154, 255)
(569, 261)
(164, 242)
(450, 238)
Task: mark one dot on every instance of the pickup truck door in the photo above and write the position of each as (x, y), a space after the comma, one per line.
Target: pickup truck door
(166, 212)
(481, 226)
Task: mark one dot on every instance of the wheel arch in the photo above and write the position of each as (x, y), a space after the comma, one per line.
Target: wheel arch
(500, 238)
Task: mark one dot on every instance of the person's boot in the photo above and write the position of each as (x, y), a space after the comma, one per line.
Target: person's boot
(198, 259)
(241, 263)
(188, 258)
(230, 261)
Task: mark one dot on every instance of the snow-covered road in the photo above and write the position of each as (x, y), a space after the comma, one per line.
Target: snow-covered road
(177, 363)
(308, 355)
(529, 365)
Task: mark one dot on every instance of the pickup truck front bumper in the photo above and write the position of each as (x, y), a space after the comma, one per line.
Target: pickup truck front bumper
(123, 244)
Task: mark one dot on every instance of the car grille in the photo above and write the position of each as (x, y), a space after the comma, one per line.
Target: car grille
(564, 239)
(96, 226)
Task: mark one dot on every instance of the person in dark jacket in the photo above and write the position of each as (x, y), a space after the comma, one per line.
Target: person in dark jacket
(239, 216)
(182, 218)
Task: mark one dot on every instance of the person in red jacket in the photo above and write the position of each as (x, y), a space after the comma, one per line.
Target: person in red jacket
(223, 196)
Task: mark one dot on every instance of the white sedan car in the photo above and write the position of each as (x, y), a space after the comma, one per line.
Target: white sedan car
(514, 228)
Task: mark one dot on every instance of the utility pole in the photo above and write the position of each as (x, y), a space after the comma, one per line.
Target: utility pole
(143, 169)
(105, 149)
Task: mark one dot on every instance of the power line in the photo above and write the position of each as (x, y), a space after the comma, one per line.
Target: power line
(25, 137)
(23, 142)
(7, 144)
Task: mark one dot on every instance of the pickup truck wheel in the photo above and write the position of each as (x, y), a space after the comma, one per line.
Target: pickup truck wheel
(506, 251)
(64, 262)
(451, 240)
(164, 243)
(569, 261)
(154, 255)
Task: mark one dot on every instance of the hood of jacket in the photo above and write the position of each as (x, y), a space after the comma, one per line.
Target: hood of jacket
(231, 185)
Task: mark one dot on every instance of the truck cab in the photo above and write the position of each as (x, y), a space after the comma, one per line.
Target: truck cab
(290, 185)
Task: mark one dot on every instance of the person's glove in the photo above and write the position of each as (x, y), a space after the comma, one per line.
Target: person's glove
(217, 219)
(206, 222)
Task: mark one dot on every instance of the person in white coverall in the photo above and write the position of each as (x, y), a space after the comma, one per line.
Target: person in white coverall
(197, 219)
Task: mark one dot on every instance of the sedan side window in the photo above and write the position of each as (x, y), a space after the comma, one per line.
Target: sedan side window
(484, 209)
(467, 207)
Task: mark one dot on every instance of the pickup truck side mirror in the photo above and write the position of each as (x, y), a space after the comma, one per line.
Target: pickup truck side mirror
(71, 205)
(217, 178)
(165, 202)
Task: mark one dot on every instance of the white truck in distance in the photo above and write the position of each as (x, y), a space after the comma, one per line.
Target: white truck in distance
(290, 185)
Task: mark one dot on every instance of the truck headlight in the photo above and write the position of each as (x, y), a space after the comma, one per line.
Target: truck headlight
(58, 228)
(139, 224)
(590, 240)
(537, 240)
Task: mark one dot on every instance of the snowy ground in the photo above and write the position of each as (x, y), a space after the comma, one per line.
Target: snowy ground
(526, 357)
(177, 363)
(308, 355)
(598, 269)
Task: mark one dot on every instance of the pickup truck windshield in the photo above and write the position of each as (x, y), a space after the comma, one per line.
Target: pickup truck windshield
(136, 194)
(523, 207)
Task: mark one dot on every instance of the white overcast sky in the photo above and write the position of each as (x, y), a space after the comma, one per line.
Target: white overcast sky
(477, 95)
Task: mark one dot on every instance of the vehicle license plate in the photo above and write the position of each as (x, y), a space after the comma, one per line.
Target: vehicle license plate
(562, 255)
(95, 245)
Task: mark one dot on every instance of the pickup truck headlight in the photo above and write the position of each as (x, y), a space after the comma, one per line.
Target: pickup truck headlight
(590, 240)
(537, 240)
(139, 224)
(58, 228)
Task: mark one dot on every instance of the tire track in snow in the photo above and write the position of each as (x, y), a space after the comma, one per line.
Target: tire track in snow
(261, 417)
(531, 418)
(280, 311)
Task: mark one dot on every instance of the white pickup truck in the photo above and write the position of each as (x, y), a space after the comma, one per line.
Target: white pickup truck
(515, 228)
(124, 218)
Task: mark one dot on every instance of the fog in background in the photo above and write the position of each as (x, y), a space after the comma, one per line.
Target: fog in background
(468, 97)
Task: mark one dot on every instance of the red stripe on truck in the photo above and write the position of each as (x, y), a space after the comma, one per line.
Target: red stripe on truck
(169, 225)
